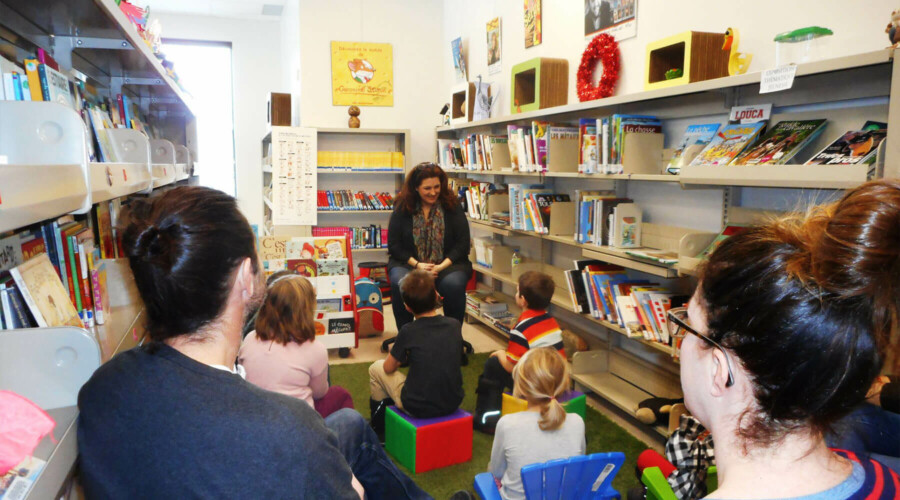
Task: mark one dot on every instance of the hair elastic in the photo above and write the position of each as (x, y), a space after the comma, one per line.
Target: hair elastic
(286, 276)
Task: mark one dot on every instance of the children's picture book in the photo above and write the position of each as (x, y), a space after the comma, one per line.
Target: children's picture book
(331, 267)
(16, 482)
(332, 323)
(626, 231)
(727, 144)
(303, 267)
(532, 23)
(695, 138)
(300, 248)
(730, 230)
(857, 147)
(493, 46)
(459, 61)
(781, 142)
(329, 305)
(46, 297)
(330, 248)
(331, 286)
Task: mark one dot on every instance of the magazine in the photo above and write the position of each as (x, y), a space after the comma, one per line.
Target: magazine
(781, 143)
(18, 480)
(695, 138)
(727, 144)
(852, 148)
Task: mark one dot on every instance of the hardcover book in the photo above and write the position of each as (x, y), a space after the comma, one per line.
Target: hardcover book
(727, 144)
(781, 142)
(303, 267)
(331, 248)
(44, 293)
(331, 267)
(695, 138)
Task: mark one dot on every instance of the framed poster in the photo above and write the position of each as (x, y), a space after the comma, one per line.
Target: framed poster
(616, 17)
(362, 74)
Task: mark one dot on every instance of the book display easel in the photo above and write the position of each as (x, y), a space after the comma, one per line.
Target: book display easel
(46, 173)
(361, 160)
(627, 369)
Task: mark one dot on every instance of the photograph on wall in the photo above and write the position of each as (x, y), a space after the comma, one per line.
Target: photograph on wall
(493, 45)
(362, 74)
(532, 23)
(616, 17)
(459, 60)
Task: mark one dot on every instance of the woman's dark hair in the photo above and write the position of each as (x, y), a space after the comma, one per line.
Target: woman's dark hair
(288, 312)
(808, 303)
(183, 247)
(409, 199)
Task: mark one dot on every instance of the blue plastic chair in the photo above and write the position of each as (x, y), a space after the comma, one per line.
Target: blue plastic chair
(576, 478)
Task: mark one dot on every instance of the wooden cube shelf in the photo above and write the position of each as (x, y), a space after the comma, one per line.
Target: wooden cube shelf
(539, 83)
(699, 54)
(462, 104)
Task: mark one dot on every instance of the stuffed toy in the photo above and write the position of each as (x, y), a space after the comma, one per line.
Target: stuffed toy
(369, 306)
(655, 411)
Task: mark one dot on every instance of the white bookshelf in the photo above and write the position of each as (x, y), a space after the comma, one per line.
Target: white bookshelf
(45, 173)
(847, 91)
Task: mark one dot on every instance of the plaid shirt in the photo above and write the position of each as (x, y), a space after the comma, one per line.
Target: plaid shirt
(690, 449)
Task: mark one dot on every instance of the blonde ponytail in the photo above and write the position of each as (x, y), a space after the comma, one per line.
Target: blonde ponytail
(541, 376)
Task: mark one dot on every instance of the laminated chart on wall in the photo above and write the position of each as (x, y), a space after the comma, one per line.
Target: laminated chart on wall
(294, 176)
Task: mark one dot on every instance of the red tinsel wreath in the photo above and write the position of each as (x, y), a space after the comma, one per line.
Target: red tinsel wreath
(605, 49)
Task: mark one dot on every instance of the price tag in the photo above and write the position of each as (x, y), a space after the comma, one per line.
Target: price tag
(774, 80)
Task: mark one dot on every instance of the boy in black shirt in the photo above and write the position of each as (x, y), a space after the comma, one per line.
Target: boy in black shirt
(431, 345)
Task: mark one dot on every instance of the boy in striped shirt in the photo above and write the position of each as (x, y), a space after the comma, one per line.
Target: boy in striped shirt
(535, 328)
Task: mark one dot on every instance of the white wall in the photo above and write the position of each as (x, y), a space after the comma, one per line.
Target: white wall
(413, 30)
(256, 63)
(856, 29)
(290, 55)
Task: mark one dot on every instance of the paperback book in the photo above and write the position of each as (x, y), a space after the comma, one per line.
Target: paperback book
(852, 148)
(727, 144)
(695, 138)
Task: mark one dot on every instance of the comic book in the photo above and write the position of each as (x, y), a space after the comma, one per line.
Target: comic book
(727, 144)
(781, 142)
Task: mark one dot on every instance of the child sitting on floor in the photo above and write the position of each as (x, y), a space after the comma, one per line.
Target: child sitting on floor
(535, 328)
(282, 354)
(431, 345)
(545, 431)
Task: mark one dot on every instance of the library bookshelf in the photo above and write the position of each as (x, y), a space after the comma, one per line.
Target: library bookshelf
(46, 173)
(375, 177)
(686, 211)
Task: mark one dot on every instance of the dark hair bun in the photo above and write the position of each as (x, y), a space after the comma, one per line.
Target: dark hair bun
(157, 246)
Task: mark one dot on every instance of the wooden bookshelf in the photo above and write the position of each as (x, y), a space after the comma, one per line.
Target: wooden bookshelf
(354, 211)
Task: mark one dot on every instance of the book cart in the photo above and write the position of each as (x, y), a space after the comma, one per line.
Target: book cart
(682, 213)
(45, 173)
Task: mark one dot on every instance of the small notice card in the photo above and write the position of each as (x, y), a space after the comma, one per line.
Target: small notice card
(773, 80)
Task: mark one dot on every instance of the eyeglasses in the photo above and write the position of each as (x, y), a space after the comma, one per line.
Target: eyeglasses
(678, 327)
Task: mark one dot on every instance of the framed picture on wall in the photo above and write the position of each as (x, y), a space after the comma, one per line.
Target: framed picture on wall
(362, 74)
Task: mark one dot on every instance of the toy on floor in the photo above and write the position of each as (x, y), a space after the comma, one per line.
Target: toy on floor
(655, 411)
(738, 63)
(369, 305)
(423, 444)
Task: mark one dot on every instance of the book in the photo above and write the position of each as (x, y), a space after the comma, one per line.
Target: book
(329, 305)
(695, 138)
(661, 256)
(300, 248)
(57, 87)
(728, 231)
(34, 79)
(331, 267)
(332, 323)
(17, 481)
(856, 147)
(781, 142)
(303, 267)
(626, 227)
(727, 144)
(100, 289)
(44, 293)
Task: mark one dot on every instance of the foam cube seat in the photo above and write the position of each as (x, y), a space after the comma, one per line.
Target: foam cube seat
(423, 444)
(572, 402)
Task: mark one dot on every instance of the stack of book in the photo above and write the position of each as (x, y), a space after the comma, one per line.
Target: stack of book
(345, 199)
(482, 303)
(607, 293)
(361, 161)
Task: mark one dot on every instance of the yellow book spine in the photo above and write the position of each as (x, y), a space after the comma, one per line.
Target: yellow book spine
(34, 79)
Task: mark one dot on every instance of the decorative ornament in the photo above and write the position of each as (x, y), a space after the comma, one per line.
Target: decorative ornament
(354, 114)
(738, 62)
(893, 29)
(605, 49)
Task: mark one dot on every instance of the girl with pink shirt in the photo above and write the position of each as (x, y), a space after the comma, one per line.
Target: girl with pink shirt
(282, 354)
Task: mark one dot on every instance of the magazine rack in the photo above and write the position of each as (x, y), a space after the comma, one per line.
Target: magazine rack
(132, 174)
(162, 154)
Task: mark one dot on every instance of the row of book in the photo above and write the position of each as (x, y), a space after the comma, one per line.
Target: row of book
(363, 161)
(530, 207)
(474, 196)
(345, 199)
(361, 237)
(523, 149)
(607, 293)
(54, 274)
(40, 79)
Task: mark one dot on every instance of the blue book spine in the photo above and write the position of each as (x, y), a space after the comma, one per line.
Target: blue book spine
(17, 87)
(126, 110)
(45, 85)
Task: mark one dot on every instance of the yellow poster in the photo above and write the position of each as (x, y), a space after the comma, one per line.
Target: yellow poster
(362, 74)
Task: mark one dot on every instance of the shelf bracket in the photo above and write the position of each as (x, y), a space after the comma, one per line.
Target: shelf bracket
(85, 42)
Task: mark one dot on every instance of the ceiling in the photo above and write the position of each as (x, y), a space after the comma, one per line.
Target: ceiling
(242, 9)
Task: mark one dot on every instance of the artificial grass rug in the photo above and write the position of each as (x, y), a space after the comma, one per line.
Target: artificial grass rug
(602, 435)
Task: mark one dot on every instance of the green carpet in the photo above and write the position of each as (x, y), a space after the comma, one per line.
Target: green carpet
(602, 434)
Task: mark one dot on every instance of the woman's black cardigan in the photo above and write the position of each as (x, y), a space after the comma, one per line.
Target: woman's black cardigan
(456, 240)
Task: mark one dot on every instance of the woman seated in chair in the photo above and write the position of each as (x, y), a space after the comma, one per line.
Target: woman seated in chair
(789, 326)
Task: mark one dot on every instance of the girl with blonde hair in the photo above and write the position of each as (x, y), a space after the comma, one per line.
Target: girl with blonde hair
(545, 431)
(282, 354)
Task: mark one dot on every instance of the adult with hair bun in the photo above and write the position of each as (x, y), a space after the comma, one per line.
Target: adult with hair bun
(789, 326)
(428, 230)
(174, 417)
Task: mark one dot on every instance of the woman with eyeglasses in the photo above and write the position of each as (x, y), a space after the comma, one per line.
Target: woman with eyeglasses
(790, 324)
(429, 231)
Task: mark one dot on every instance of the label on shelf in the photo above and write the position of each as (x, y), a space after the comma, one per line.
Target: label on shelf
(774, 80)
